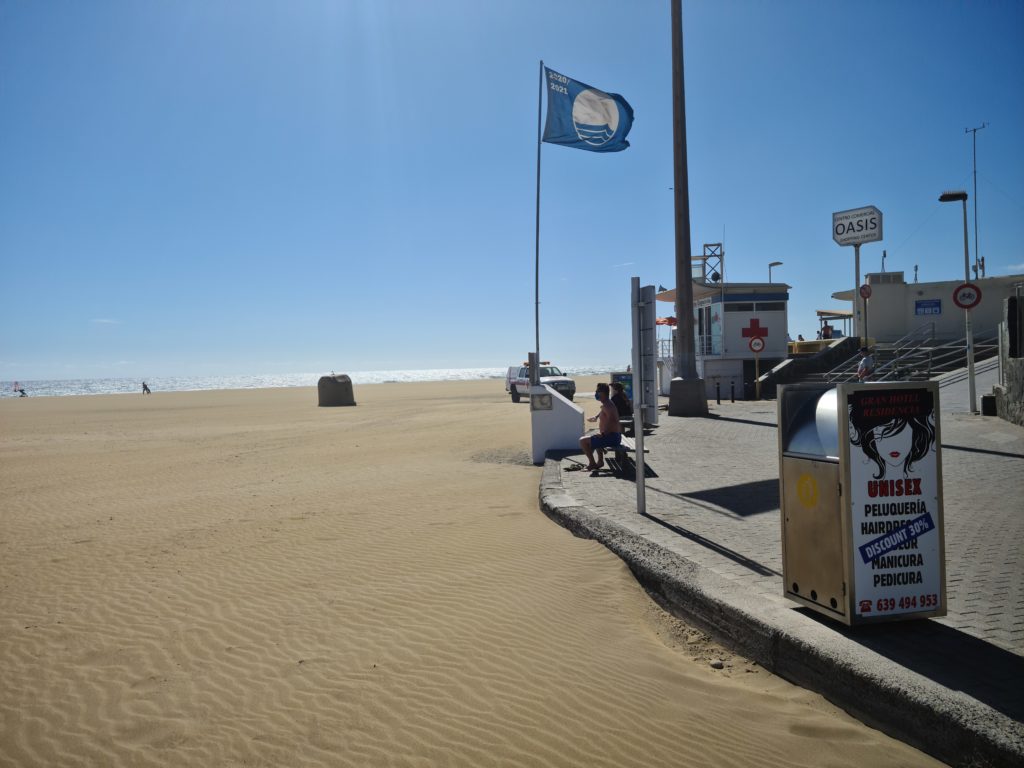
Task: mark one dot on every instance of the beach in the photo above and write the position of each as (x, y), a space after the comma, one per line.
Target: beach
(241, 578)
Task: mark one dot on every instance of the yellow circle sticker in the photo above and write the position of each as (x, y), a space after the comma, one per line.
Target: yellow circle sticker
(807, 490)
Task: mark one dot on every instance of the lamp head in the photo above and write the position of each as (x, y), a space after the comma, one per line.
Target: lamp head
(775, 264)
(953, 196)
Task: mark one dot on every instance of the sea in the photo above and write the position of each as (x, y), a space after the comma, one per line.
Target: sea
(69, 387)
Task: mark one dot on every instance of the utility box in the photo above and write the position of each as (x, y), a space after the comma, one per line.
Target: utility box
(860, 476)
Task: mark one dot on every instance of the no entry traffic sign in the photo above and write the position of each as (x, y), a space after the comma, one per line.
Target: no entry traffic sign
(865, 291)
(967, 295)
(756, 345)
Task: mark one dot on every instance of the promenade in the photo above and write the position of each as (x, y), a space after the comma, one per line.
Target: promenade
(709, 550)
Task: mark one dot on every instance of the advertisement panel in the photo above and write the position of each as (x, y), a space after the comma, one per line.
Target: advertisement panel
(890, 437)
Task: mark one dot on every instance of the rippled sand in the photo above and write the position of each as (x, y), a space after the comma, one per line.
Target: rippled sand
(242, 578)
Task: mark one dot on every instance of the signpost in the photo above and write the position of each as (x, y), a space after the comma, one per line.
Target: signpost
(756, 345)
(645, 371)
(967, 296)
(853, 227)
(865, 293)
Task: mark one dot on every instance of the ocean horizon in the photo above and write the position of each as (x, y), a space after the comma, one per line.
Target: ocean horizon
(125, 385)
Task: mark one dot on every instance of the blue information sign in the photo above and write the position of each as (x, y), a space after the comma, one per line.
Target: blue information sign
(928, 307)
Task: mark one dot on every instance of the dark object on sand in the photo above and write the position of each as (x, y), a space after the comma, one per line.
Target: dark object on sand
(335, 390)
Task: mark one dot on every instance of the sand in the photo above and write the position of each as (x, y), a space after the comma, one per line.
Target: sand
(241, 578)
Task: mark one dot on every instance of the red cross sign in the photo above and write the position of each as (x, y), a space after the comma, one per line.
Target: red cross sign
(755, 330)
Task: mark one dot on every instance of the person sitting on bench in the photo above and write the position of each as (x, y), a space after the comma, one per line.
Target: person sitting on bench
(609, 429)
(620, 401)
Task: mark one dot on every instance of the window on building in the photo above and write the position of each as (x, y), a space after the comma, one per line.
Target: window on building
(739, 306)
(771, 306)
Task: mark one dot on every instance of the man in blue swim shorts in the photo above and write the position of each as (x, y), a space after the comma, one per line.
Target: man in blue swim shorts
(609, 429)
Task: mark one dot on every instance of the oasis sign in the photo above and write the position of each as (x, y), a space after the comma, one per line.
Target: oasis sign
(856, 226)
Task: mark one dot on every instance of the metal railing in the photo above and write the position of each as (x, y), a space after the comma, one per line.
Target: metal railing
(916, 357)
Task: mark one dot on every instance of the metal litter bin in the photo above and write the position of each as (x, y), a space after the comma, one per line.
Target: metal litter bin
(860, 486)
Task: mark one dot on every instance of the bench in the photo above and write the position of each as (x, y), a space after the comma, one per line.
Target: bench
(628, 445)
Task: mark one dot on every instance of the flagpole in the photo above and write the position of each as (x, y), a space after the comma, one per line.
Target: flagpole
(536, 261)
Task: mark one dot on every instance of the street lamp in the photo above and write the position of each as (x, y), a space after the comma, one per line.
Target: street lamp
(770, 265)
(952, 197)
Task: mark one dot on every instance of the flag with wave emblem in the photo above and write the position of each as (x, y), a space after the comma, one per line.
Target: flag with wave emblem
(585, 118)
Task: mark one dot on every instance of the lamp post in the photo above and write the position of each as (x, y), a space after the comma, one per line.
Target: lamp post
(770, 265)
(951, 197)
(977, 255)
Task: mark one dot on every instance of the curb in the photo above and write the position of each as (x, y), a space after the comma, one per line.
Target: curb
(944, 723)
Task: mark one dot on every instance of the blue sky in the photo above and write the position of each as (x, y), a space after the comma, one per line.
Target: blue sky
(203, 188)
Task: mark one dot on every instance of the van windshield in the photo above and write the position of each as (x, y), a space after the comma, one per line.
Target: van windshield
(550, 370)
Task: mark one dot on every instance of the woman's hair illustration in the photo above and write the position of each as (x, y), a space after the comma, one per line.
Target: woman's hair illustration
(918, 416)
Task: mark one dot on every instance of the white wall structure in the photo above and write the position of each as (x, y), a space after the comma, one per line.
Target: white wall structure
(897, 307)
(557, 423)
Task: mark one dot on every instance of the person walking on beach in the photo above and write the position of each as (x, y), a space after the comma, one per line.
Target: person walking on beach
(866, 366)
(145, 389)
(609, 429)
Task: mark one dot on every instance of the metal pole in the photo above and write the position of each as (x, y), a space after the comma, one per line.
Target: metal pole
(685, 361)
(856, 292)
(638, 400)
(977, 253)
(757, 375)
(867, 335)
(967, 324)
(536, 257)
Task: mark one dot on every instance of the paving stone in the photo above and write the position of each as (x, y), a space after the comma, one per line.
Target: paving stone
(715, 504)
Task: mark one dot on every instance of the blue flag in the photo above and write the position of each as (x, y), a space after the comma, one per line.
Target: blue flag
(585, 118)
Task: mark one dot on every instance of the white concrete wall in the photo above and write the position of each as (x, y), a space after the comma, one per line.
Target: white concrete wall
(892, 306)
(738, 345)
(558, 429)
(725, 372)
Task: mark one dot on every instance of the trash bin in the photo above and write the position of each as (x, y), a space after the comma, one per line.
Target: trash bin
(860, 486)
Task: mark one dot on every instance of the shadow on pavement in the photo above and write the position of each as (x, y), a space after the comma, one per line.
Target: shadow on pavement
(989, 451)
(736, 557)
(716, 417)
(948, 656)
(742, 500)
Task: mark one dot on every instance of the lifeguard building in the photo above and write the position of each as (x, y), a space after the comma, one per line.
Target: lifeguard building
(726, 317)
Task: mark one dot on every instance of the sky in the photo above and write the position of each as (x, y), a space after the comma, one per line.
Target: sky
(215, 187)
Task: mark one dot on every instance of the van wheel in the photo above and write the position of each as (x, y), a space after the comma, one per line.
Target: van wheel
(515, 395)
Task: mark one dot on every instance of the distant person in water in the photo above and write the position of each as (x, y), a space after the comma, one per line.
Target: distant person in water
(145, 389)
(23, 392)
